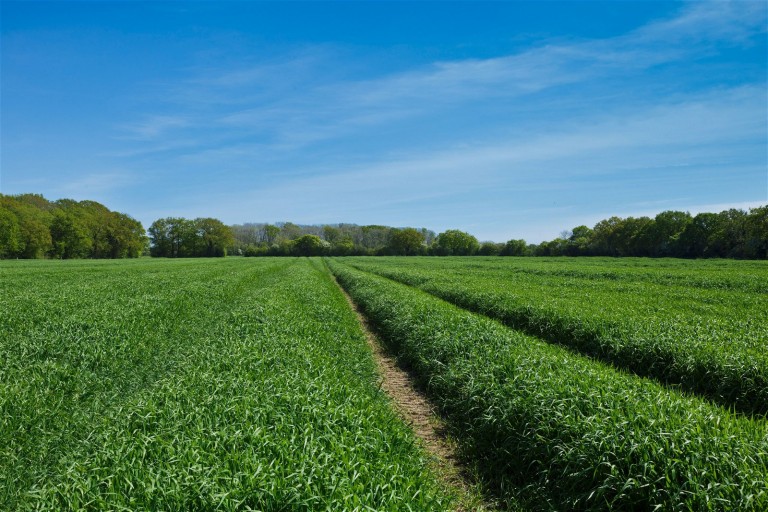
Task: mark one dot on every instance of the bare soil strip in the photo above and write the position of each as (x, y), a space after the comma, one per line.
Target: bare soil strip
(420, 415)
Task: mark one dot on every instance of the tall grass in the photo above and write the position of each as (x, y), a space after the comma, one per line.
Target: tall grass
(195, 385)
(700, 326)
(558, 430)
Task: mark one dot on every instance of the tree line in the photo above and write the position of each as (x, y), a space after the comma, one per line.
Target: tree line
(731, 233)
(33, 227)
(177, 237)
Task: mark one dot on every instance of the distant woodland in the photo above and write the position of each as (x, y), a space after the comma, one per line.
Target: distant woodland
(34, 227)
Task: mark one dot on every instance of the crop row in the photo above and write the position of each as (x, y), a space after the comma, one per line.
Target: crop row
(195, 385)
(737, 275)
(558, 430)
(704, 340)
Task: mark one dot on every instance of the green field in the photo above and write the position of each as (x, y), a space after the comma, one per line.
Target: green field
(701, 326)
(225, 384)
(236, 384)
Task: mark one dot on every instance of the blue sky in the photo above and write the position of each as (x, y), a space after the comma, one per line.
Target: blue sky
(504, 119)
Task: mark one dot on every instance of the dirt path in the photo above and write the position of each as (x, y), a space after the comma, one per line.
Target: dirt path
(420, 415)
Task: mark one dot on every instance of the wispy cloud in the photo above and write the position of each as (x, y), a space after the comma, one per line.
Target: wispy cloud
(292, 101)
(307, 136)
(663, 147)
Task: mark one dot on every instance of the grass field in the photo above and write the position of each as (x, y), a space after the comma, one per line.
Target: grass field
(236, 384)
(225, 384)
(701, 326)
(546, 425)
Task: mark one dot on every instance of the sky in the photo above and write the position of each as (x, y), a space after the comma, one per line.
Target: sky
(504, 119)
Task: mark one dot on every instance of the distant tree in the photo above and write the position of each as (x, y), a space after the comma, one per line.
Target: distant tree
(579, 240)
(514, 248)
(373, 237)
(756, 227)
(69, 237)
(343, 247)
(605, 237)
(177, 237)
(290, 231)
(634, 237)
(10, 234)
(309, 245)
(33, 214)
(456, 243)
(270, 234)
(406, 242)
(214, 236)
(331, 234)
(696, 239)
(160, 238)
(730, 239)
(126, 236)
(490, 249)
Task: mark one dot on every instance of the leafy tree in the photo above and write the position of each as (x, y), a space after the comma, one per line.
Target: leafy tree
(33, 214)
(309, 245)
(290, 231)
(514, 248)
(456, 243)
(331, 234)
(667, 228)
(214, 235)
(756, 227)
(343, 247)
(177, 237)
(160, 238)
(270, 234)
(126, 237)
(10, 234)
(605, 237)
(69, 237)
(490, 249)
(696, 239)
(406, 242)
(579, 241)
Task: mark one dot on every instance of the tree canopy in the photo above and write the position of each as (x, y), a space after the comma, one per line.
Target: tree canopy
(177, 237)
(33, 227)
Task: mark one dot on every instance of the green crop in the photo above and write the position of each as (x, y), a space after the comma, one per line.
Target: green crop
(558, 430)
(698, 325)
(194, 385)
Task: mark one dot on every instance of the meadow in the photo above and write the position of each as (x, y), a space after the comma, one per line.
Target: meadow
(548, 425)
(226, 384)
(701, 326)
(247, 383)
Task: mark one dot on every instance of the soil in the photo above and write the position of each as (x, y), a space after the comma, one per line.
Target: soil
(416, 410)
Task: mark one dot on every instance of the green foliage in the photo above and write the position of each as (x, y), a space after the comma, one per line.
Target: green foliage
(176, 237)
(560, 431)
(219, 384)
(514, 248)
(456, 243)
(699, 325)
(490, 249)
(729, 234)
(10, 234)
(67, 229)
(406, 242)
(69, 237)
(309, 245)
